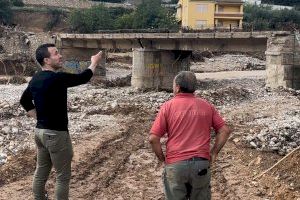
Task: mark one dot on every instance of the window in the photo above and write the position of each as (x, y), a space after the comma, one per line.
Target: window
(220, 24)
(221, 8)
(202, 8)
(201, 23)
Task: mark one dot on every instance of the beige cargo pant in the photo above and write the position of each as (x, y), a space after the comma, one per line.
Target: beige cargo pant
(54, 148)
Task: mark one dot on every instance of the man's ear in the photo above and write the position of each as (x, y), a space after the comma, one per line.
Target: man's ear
(177, 88)
(46, 60)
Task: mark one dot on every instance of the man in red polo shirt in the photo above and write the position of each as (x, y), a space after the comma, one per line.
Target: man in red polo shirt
(187, 120)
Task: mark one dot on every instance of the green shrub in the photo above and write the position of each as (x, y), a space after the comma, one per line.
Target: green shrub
(264, 18)
(18, 3)
(55, 17)
(90, 20)
(148, 15)
(283, 2)
(125, 21)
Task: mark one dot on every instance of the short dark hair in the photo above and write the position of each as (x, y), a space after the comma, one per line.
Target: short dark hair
(186, 81)
(42, 52)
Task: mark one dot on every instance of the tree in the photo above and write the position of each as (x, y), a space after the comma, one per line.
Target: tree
(91, 20)
(5, 11)
(18, 3)
(283, 2)
(264, 18)
(125, 21)
(150, 14)
(56, 16)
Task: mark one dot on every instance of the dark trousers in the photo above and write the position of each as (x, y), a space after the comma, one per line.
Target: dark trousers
(54, 148)
(188, 179)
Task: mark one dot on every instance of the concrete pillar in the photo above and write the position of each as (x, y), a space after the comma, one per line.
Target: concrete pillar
(156, 69)
(78, 59)
(216, 22)
(283, 62)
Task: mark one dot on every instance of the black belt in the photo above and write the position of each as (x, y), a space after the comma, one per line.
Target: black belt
(197, 158)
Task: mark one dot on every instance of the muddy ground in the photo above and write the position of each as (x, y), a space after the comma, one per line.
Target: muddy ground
(110, 123)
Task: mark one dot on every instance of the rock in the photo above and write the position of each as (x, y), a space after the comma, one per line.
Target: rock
(254, 183)
(15, 130)
(236, 140)
(3, 158)
(253, 144)
(6, 130)
(114, 104)
(258, 160)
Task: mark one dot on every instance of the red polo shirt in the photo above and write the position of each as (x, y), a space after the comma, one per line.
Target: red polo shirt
(187, 120)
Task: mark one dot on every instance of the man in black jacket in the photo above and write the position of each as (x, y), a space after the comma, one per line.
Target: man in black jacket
(45, 99)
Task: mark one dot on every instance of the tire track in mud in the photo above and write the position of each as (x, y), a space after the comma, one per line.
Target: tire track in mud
(100, 168)
(221, 188)
(99, 162)
(233, 177)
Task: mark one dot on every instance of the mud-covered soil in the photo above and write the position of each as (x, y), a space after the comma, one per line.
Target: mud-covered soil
(109, 127)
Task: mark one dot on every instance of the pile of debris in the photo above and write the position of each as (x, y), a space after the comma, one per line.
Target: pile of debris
(225, 96)
(17, 50)
(280, 135)
(116, 82)
(228, 62)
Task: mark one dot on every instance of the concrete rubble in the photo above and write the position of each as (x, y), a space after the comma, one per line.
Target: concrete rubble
(91, 107)
(280, 135)
(17, 50)
(228, 62)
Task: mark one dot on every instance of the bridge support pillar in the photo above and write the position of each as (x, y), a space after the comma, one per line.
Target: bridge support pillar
(156, 69)
(283, 61)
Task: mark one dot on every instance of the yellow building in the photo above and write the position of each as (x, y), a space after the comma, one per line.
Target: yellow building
(201, 14)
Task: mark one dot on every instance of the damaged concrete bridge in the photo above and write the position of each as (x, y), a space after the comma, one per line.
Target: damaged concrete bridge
(158, 57)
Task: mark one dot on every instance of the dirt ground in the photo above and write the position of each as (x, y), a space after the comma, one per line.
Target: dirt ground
(113, 160)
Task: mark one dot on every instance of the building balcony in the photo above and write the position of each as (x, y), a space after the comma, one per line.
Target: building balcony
(229, 2)
(232, 15)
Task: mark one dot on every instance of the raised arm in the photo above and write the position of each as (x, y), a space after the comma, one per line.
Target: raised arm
(71, 80)
(95, 60)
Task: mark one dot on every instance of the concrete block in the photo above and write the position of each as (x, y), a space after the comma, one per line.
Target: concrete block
(222, 35)
(296, 84)
(79, 43)
(156, 68)
(287, 84)
(273, 83)
(65, 43)
(79, 54)
(91, 44)
(287, 58)
(274, 59)
(291, 72)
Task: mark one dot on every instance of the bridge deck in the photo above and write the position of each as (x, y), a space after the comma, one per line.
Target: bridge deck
(214, 41)
(264, 34)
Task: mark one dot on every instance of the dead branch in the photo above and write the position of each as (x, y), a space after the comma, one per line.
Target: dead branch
(285, 157)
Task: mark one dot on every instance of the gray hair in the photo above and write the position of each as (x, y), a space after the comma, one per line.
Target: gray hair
(187, 81)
